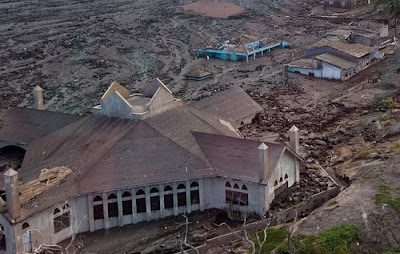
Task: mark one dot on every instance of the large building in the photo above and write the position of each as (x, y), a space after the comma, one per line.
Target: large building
(344, 5)
(138, 157)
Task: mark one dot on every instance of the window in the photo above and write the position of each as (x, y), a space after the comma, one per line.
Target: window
(140, 201)
(2, 238)
(194, 193)
(61, 219)
(112, 205)
(154, 199)
(330, 2)
(286, 176)
(126, 203)
(25, 226)
(281, 179)
(236, 186)
(168, 197)
(343, 3)
(181, 195)
(276, 183)
(228, 184)
(244, 187)
(98, 213)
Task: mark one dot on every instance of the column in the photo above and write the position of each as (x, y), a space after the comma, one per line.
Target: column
(120, 211)
(175, 196)
(201, 193)
(148, 204)
(162, 203)
(188, 199)
(91, 219)
(262, 53)
(254, 56)
(134, 209)
(105, 211)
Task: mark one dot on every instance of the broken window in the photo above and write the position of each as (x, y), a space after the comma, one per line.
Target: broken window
(98, 213)
(194, 193)
(126, 203)
(2, 238)
(181, 195)
(140, 201)
(61, 219)
(168, 197)
(154, 199)
(236, 198)
(112, 205)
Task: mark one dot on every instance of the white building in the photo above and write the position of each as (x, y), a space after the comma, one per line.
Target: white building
(112, 168)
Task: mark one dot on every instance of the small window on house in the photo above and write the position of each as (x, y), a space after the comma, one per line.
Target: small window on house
(140, 201)
(126, 203)
(25, 226)
(155, 200)
(281, 179)
(61, 219)
(286, 176)
(194, 184)
(97, 198)
(112, 205)
(168, 198)
(181, 195)
(2, 238)
(140, 192)
(244, 187)
(98, 212)
(181, 186)
(236, 186)
(276, 183)
(228, 184)
(168, 188)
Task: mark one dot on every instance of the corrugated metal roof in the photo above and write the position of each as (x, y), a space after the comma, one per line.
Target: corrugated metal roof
(336, 61)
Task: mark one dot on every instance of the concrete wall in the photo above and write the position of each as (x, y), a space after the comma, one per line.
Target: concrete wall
(115, 106)
(161, 102)
(305, 71)
(330, 71)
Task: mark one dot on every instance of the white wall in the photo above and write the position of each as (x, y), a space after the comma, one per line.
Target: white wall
(330, 71)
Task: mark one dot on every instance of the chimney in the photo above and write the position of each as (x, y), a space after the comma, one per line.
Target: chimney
(263, 152)
(12, 193)
(294, 138)
(38, 97)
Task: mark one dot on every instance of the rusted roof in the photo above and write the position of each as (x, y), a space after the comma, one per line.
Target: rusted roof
(302, 63)
(336, 61)
(237, 158)
(23, 125)
(233, 104)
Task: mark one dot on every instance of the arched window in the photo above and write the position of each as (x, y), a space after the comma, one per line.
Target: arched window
(61, 219)
(181, 195)
(140, 201)
(281, 179)
(168, 197)
(154, 199)
(126, 203)
(236, 186)
(98, 212)
(244, 187)
(276, 183)
(286, 176)
(194, 193)
(2, 238)
(228, 184)
(25, 226)
(112, 207)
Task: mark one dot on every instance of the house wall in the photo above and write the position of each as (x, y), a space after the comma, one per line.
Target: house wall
(161, 102)
(10, 236)
(305, 71)
(115, 106)
(330, 71)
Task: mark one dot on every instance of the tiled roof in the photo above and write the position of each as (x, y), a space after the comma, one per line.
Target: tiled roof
(237, 158)
(233, 104)
(23, 125)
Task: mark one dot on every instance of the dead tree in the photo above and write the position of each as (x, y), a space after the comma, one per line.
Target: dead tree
(289, 233)
(185, 242)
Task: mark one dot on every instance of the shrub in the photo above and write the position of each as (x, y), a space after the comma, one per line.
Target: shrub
(338, 236)
(386, 103)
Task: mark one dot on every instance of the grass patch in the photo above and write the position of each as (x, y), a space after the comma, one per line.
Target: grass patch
(275, 237)
(386, 103)
(395, 148)
(384, 197)
(363, 154)
(335, 240)
(395, 250)
(332, 203)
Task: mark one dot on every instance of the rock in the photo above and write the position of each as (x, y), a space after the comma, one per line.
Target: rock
(320, 142)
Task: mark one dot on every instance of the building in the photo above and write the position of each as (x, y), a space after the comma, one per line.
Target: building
(198, 75)
(335, 59)
(114, 168)
(344, 5)
(241, 49)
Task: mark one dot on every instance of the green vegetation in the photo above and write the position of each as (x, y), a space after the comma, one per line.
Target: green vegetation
(363, 154)
(275, 237)
(395, 250)
(335, 240)
(392, 7)
(385, 118)
(384, 197)
(332, 203)
(395, 148)
(386, 103)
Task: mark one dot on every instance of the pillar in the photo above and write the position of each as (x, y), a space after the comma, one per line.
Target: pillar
(201, 193)
(294, 139)
(91, 218)
(105, 211)
(263, 161)
(188, 199)
(134, 208)
(12, 193)
(120, 211)
(162, 203)
(148, 203)
(254, 56)
(38, 97)
(175, 197)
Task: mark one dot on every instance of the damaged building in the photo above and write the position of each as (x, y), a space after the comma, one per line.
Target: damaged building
(241, 49)
(344, 52)
(345, 5)
(138, 157)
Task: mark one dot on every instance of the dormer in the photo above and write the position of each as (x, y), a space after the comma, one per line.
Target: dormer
(118, 102)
